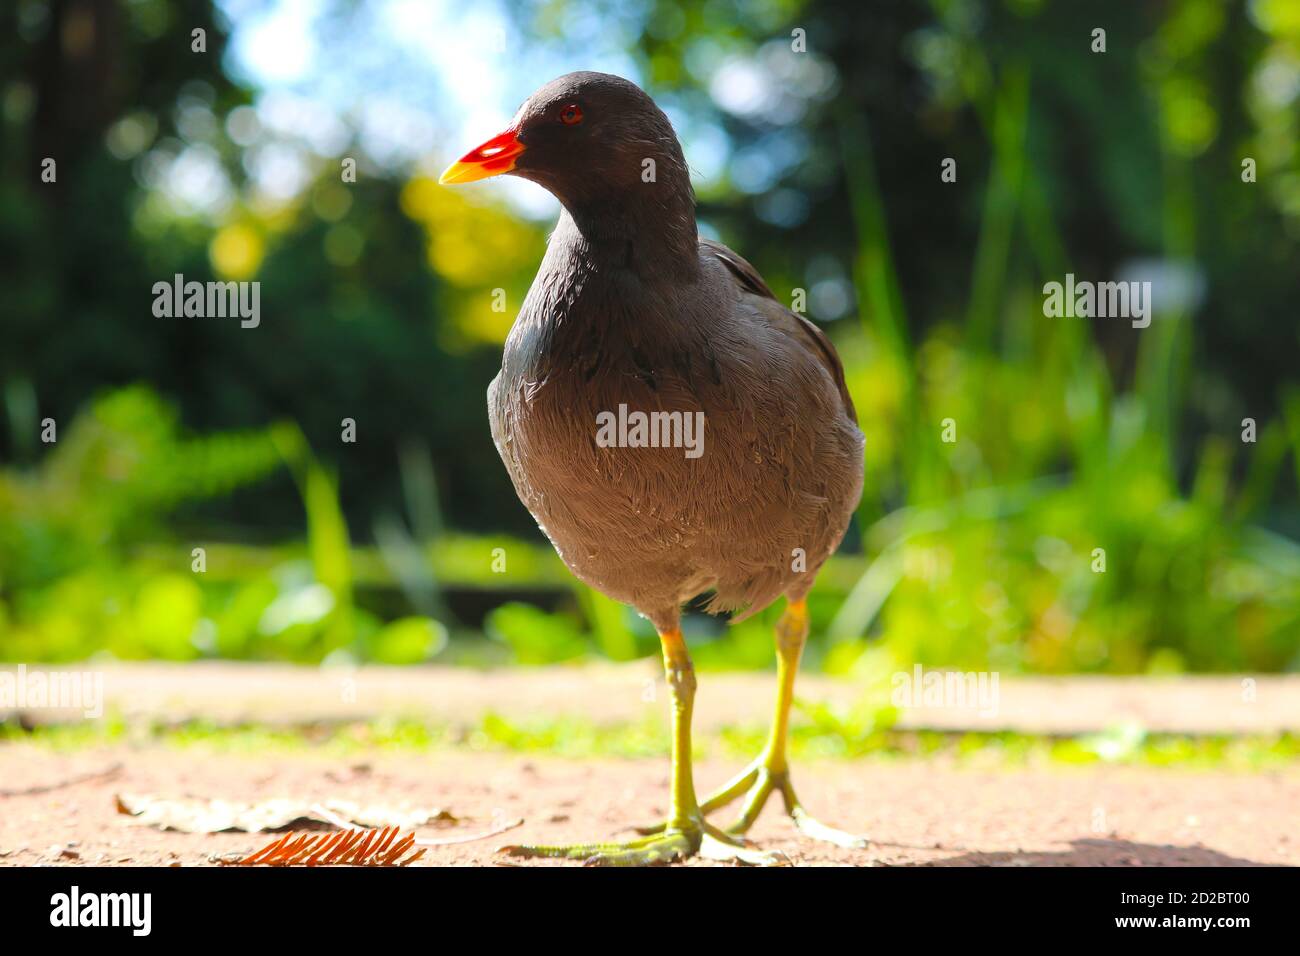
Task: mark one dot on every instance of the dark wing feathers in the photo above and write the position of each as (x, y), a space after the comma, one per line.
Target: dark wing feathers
(752, 282)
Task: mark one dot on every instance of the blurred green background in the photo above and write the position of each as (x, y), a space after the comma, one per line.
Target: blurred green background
(822, 167)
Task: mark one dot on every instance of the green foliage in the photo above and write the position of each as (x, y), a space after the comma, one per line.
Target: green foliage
(570, 737)
(73, 535)
(534, 636)
(327, 543)
(991, 558)
(974, 554)
(408, 640)
(112, 475)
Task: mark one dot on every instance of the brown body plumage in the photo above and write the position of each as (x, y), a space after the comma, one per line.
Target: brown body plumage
(781, 469)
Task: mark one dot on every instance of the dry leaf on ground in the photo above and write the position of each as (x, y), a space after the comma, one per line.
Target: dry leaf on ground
(345, 848)
(198, 815)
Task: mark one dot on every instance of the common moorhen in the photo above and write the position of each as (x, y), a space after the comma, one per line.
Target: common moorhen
(672, 427)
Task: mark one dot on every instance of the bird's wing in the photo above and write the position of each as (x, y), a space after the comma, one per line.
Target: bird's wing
(752, 282)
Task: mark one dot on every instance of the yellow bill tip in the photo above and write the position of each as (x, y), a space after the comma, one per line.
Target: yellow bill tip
(460, 173)
(493, 158)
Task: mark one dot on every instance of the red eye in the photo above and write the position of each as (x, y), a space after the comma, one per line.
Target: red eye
(571, 115)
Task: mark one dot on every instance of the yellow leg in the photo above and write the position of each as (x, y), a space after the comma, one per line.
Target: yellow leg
(791, 635)
(770, 770)
(685, 833)
(680, 674)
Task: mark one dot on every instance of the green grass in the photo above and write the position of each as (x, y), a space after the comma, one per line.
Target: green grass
(577, 738)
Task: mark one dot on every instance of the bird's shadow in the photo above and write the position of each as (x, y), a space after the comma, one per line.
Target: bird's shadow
(1098, 852)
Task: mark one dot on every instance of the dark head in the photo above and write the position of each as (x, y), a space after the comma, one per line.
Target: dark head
(604, 149)
(582, 136)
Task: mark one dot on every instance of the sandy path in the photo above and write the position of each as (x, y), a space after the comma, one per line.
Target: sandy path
(919, 813)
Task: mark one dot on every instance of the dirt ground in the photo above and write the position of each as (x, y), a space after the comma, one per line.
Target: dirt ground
(59, 807)
(917, 813)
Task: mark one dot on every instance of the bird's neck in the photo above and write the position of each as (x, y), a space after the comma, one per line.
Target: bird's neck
(649, 231)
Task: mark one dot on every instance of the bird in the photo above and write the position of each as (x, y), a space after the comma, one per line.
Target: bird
(633, 313)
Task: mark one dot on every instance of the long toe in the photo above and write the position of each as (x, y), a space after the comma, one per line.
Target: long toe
(727, 848)
(571, 851)
(671, 847)
(816, 830)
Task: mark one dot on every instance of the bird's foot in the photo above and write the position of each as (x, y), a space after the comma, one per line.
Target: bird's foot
(667, 844)
(757, 782)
